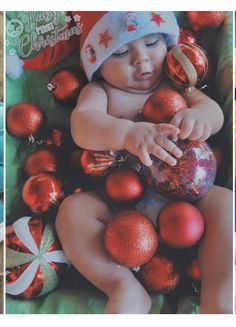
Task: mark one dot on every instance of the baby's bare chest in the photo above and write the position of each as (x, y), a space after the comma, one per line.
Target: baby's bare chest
(125, 105)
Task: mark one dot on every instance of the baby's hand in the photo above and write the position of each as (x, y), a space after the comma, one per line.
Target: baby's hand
(144, 139)
(192, 124)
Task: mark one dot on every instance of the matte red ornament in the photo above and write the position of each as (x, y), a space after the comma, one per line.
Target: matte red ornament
(201, 21)
(42, 192)
(162, 105)
(130, 239)
(124, 185)
(186, 36)
(43, 160)
(25, 120)
(193, 271)
(180, 224)
(99, 163)
(34, 258)
(159, 275)
(65, 86)
(186, 65)
(192, 176)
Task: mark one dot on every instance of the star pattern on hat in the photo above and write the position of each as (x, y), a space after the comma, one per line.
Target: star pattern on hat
(157, 19)
(104, 38)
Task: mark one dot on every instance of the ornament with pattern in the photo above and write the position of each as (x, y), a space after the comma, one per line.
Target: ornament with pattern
(34, 258)
(186, 65)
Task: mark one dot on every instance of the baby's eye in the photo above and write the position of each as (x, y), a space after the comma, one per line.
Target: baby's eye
(152, 43)
(121, 52)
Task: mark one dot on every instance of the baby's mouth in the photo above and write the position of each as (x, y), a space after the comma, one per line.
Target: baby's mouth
(145, 76)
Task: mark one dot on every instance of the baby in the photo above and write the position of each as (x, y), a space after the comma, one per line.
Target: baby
(123, 54)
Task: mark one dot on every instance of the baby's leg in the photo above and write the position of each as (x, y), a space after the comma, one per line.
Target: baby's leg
(216, 251)
(80, 225)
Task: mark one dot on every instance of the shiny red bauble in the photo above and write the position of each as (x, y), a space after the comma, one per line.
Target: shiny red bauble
(186, 36)
(205, 20)
(98, 163)
(43, 160)
(193, 271)
(65, 86)
(192, 176)
(180, 224)
(162, 105)
(130, 239)
(34, 258)
(159, 275)
(25, 120)
(124, 185)
(186, 65)
(42, 192)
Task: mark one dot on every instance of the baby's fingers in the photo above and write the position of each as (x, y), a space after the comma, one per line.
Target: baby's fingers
(145, 157)
(168, 145)
(162, 154)
(186, 128)
(167, 129)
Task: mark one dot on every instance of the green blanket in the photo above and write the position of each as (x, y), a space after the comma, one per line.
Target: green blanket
(75, 294)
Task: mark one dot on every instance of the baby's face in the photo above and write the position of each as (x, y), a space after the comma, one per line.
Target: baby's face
(137, 66)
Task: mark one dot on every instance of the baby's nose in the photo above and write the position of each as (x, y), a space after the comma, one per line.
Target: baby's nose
(140, 57)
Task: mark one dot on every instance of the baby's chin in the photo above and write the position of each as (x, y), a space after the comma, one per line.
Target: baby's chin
(143, 87)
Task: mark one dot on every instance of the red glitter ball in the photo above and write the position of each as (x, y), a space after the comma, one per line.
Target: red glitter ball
(130, 239)
(205, 20)
(159, 275)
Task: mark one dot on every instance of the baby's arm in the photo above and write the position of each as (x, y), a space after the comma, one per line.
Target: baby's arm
(203, 118)
(94, 129)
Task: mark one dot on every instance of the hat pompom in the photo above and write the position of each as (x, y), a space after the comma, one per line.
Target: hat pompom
(14, 66)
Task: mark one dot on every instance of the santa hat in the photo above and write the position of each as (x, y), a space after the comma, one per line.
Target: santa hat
(103, 32)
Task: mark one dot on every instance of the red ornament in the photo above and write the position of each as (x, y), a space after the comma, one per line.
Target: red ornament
(124, 185)
(192, 176)
(34, 259)
(186, 65)
(201, 21)
(193, 271)
(186, 36)
(42, 192)
(55, 137)
(99, 163)
(65, 86)
(159, 275)
(25, 120)
(180, 224)
(43, 160)
(130, 239)
(162, 105)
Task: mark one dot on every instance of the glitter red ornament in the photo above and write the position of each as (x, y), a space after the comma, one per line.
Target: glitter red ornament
(42, 192)
(124, 185)
(186, 36)
(162, 105)
(99, 163)
(34, 259)
(159, 275)
(130, 239)
(201, 21)
(65, 86)
(180, 224)
(25, 120)
(43, 160)
(186, 65)
(192, 176)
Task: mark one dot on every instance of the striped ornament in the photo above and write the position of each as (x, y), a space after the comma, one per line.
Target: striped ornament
(186, 65)
(34, 259)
